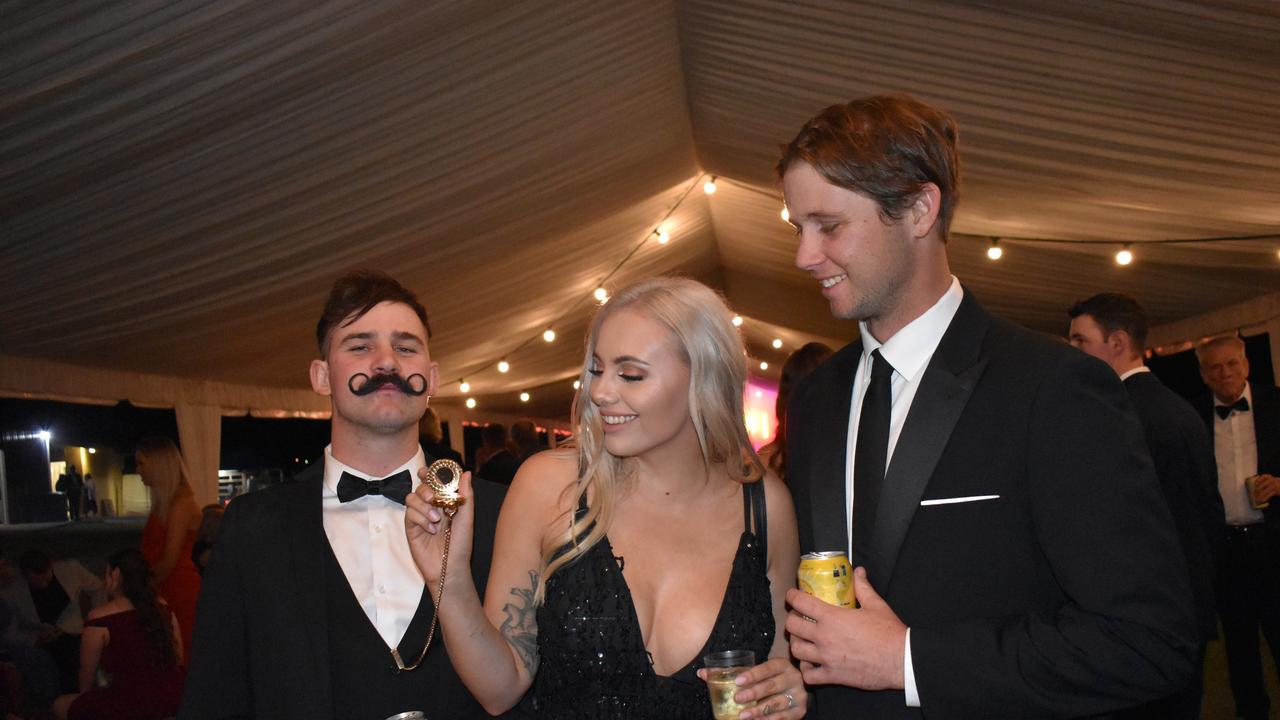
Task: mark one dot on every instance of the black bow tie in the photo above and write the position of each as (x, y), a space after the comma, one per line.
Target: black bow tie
(396, 487)
(1240, 405)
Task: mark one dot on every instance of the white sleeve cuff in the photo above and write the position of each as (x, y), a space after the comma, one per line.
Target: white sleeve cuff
(909, 675)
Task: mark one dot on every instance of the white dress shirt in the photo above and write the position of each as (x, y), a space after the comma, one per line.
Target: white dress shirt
(908, 352)
(367, 536)
(1235, 447)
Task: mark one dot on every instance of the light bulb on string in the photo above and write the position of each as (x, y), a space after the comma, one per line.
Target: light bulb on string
(764, 365)
(786, 214)
(737, 321)
(524, 397)
(549, 335)
(1124, 256)
(465, 387)
(577, 384)
(777, 343)
(471, 403)
(995, 252)
(664, 237)
(503, 366)
(601, 295)
(709, 187)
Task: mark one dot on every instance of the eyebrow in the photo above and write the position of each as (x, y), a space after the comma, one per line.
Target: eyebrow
(624, 359)
(401, 336)
(397, 336)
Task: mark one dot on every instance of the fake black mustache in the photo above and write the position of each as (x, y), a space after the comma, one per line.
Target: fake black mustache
(372, 384)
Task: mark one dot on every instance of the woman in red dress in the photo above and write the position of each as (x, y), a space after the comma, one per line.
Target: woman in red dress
(171, 529)
(130, 644)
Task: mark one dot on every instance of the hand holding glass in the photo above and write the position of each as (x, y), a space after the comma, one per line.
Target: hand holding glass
(722, 669)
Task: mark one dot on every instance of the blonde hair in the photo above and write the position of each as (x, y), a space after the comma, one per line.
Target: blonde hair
(702, 326)
(166, 471)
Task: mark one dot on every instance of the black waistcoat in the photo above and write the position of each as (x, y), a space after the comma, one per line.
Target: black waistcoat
(365, 683)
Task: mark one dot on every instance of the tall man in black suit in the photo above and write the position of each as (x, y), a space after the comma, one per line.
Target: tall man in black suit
(312, 584)
(993, 485)
(1244, 418)
(1113, 328)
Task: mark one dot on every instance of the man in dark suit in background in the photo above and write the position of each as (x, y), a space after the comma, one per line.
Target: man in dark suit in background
(1113, 328)
(1244, 418)
(313, 585)
(993, 485)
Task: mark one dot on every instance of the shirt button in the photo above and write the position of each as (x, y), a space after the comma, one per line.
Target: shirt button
(382, 589)
(377, 528)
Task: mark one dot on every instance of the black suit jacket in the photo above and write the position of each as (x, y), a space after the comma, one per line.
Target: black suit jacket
(1059, 598)
(260, 648)
(1183, 456)
(1266, 430)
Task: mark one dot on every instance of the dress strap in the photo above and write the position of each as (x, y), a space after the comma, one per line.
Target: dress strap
(754, 516)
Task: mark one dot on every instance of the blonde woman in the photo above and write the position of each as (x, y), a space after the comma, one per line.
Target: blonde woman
(171, 529)
(659, 538)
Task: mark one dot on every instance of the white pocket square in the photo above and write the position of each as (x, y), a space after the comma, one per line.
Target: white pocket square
(954, 500)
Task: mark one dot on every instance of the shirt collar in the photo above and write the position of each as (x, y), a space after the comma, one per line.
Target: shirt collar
(1247, 394)
(910, 349)
(1133, 371)
(333, 469)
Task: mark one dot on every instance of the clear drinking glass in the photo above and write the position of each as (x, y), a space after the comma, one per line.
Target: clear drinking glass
(722, 668)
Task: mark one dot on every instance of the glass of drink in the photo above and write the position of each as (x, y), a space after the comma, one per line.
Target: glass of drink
(722, 668)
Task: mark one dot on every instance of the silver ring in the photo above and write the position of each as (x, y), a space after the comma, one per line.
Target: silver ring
(791, 701)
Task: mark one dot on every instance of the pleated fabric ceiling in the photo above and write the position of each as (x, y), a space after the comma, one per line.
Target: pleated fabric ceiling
(181, 181)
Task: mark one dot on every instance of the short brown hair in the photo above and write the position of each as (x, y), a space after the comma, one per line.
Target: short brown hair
(355, 294)
(1112, 312)
(885, 147)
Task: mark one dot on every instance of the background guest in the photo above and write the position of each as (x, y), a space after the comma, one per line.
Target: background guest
(89, 497)
(799, 363)
(524, 440)
(431, 437)
(133, 643)
(62, 592)
(499, 463)
(170, 532)
(1244, 418)
(1113, 328)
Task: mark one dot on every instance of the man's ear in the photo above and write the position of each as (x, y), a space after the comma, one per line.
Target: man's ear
(1118, 341)
(320, 377)
(433, 378)
(924, 210)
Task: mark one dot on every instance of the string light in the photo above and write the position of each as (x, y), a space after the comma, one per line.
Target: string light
(577, 384)
(549, 335)
(524, 397)
(1125, 256)
(777, 343)
(995, 252)
(709, 187)
(601, 295)
(664, 237)
(465, 387)
(764, 365)
(503, 366)
(786, 214)
(471, 403)
(737, 321)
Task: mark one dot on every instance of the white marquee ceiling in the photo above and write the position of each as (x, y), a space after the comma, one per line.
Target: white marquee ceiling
(180, 181)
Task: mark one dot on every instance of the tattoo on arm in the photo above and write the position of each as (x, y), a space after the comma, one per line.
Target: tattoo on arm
(520, 628)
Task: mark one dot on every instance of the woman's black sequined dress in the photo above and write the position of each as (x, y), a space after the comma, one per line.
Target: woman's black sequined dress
(592, 660)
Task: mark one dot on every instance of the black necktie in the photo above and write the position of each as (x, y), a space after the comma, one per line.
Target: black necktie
(871, 454)
(396, 487)
(1240, 405)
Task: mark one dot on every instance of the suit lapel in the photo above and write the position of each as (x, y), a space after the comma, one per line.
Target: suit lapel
(948, 382)
(828, 498)
(307, 541)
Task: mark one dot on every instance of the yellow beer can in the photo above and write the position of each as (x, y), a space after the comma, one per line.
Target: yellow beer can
(827, 576)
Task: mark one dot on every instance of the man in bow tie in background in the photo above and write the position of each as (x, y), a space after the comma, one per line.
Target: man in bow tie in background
(1244, 419)
(313, 586)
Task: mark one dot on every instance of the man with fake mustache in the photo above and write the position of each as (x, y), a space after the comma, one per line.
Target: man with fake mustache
(312, 606)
